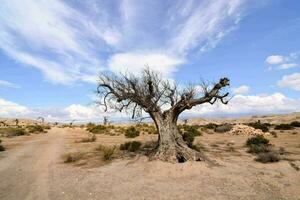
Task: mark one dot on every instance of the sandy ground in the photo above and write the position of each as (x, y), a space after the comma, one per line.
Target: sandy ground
(32, 168)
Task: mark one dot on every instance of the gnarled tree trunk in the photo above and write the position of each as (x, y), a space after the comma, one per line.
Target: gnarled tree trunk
(171, 146)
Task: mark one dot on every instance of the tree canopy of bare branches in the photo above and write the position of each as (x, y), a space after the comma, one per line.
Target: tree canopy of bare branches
(164, 101)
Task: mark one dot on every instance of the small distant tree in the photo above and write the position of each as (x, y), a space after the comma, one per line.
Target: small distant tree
(148, 92)
(105, 120)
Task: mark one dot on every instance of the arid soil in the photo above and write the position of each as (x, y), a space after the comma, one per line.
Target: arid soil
(32, 168)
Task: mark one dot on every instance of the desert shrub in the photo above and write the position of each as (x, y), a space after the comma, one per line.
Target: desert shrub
(11, 132)
(210, 126)
(131, 146)
(97, 129)
(274, 133)
(259, 148)
(257, 140)
(294, 166)
(72, 157)
(131, 132)
(283, 127)
(88, 139)
(223, 128)
(108, 152)
(2, 147)
(267, 157)
(46, 127)
(258, 125)
(35, 128)
(295, 124)
(189, 134)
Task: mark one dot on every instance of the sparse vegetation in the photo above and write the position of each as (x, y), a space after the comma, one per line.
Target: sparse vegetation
(11, 132)
(274, 134)
(223, 128)
(92, 138)
(189, 134)
(1, 146)
(108, 153)
(210, 126)
(258, 125)
(295, 124)
(267, 157)
(262, 148)
(284, 127)
(35, 128)
(131, 132)
(72, 157)
(131, 146)
(96, 129)
(257, 140)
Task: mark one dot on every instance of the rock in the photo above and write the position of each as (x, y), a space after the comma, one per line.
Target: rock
(241, 129)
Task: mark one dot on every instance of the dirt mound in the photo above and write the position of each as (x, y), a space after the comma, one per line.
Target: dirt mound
(241, 129)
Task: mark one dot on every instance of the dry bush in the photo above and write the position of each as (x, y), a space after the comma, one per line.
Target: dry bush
(223, 128)
(92, 138)
(267, 157)
(258, 125)
(284, 127)
(107, 152)
(294, 166)
(72, 157)
(131, 132)
(11, 132)
(36, 128)
(131, 146)
(295, 124)
(1, 146)
(274, 133)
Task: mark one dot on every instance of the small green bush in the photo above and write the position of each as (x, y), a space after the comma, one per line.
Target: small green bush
(131, 146)
(295, 124)
(284, 127)
(189, 134)
(108, 153)
(257, 140)
(258, 125)
(267, 157)
(11, 132)
(97, 129)
(223, 128)
(210, 126)
(2, 147)
(35, 128)
(131, 132)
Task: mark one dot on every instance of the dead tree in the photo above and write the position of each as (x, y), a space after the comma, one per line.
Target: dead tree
(148, 92)
(41, 118)
(17, 122)
(105, 120)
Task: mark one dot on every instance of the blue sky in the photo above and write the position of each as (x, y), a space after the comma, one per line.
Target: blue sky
(52, 51)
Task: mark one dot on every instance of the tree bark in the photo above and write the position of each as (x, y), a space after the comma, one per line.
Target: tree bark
(171, 146)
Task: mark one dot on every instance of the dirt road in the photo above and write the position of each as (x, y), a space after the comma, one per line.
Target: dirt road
(33, 169)
(26, 170)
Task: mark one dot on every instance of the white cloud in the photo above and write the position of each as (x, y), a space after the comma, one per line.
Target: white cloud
(67, 41)
(10, 109)
(4, 83)
(287, 65)
(203, 24)
(135, 62)
(275, 59)
(53, 37)
(290, 81)
(282, 62)
(250, 104)
(243, 89)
